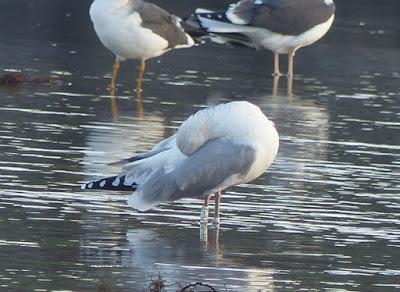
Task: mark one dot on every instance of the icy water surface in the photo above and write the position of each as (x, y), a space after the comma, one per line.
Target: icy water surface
(324, 217)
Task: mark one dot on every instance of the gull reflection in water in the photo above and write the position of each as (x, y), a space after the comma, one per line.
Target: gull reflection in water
(213, 240)
(108, 142)
(139, 254)
(276, 83)
(180, 259)
(139, 104)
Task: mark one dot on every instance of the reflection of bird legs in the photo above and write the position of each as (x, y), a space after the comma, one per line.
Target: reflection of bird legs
(289, 75)
(139, 104)
(112, 87)
(204, 232)
(289, 88)
(139, 90)
(214, 234)
(275, 88)
(216, 221)
(114, 106)
(215, 237)
(204, 220)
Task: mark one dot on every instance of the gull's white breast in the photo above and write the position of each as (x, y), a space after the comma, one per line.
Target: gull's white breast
(121, 32)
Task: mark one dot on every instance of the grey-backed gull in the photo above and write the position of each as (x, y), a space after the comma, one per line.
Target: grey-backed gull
(213, 149)
(281, 26)
(134, 29)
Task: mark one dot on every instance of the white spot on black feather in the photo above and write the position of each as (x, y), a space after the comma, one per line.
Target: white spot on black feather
(90, 185)
(116, 182)
(102, 183)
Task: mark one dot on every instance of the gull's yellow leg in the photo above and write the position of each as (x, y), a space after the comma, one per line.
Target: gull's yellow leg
(139, 80)
(117, 65)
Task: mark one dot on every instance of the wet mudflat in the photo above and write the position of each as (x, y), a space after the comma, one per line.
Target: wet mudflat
(326, 215)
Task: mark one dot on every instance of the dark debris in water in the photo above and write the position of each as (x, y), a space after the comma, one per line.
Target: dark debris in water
(15, 79)
(104, 287)
(159, 284)
(198, 286)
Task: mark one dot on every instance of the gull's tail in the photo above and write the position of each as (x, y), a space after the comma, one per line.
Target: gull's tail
(192, 26)
(147, 176)
(217, 22)
(207, 24)
(160, 188)
(113, 183)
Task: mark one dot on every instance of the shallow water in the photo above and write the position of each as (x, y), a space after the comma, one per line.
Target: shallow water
(325, 216)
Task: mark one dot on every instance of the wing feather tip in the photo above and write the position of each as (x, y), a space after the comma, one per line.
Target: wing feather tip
(137, 202)
(113, 183)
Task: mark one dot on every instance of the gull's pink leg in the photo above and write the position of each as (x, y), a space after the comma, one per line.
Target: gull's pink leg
(277, 72)
(291, 63)
(217, 201)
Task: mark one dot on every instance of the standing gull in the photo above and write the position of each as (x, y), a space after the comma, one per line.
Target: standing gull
(281, 26)
(134, 29)
(213, 149)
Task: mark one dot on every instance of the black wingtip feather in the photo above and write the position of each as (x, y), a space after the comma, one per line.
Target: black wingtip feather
(113, 183)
